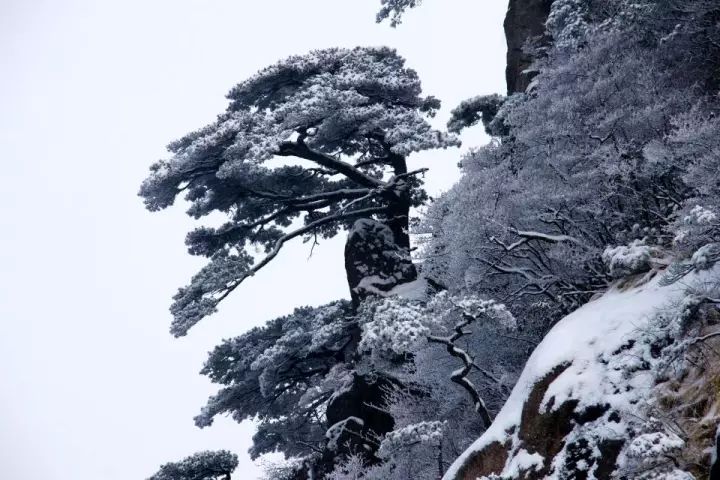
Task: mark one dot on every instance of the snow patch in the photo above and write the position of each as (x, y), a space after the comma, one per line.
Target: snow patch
(596, 342)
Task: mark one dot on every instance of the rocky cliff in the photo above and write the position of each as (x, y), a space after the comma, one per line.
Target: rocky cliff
(628, 385)
(606, 394)
(524, 24)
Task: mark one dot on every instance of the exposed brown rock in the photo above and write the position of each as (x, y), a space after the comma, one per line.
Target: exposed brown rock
(489, 460)
(524, 22)
(545, 433)
(692, 400)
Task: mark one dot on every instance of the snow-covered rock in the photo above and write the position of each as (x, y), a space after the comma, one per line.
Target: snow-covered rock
(580, 408)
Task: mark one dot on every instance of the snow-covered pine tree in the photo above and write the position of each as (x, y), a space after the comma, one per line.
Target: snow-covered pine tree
(208, 465)
(284, 375)
(305, 148)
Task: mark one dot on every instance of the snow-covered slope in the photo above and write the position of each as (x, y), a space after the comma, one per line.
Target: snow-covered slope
(586, 404)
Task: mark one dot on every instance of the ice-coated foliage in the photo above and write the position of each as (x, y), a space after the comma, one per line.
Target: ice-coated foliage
(395, 326)
(346, 119)
(567, 23)
(454, 364)
(474, 110)
(696, 229)
(394, 9)
(353, 468)
(422, 433)
(611, 144)
(207, 465)
(408, 452)
(625, 260)
(283, 375)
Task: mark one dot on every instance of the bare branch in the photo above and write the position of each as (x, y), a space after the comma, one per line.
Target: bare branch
(704, 338)
(459, 376)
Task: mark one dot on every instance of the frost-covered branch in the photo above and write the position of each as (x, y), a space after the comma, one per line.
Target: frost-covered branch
(546, 237)
(301, 150)
(459, 376)
(703, 338)
(202, 297)
(394, 9)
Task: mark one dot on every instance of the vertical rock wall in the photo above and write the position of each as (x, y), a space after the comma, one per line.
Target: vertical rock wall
(524, 22)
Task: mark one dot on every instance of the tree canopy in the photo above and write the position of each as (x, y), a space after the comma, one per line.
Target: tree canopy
(283, 375)
(206, 465)
(305, 147)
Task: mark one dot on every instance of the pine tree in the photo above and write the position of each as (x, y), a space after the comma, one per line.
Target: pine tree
(206, 465)
(305, 148)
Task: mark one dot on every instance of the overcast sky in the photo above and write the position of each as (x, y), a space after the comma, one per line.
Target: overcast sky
(93, 386)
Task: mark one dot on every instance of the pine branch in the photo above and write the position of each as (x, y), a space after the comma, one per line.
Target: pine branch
(289, 236)
(301, 150)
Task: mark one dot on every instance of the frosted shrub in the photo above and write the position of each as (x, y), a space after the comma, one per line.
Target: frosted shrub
(425, 433)
(625, 260)
(396, 326)
(353, 468)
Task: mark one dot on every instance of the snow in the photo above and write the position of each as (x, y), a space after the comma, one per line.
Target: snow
(396, 326)
(335, 431)
(706, 256)
(590, 340)
(654, 445)
(415, 290)
(628, 259)
(701, 215)
(423, 432)
(523, 461)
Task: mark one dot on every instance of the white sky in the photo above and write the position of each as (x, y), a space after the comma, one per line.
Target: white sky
(93, 386)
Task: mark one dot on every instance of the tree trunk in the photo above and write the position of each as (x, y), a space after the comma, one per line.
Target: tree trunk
(399, 208)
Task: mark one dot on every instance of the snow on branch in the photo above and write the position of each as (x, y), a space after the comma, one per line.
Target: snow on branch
(206, 465)
(394, 9)
(226, 272)
(545, 237)
(397, 326)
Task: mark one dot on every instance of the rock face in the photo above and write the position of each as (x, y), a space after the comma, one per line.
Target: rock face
(374, 262)
(524, 22)
(582, 407)
(543, 434)
(365, 393)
